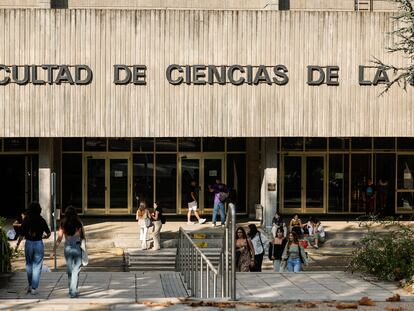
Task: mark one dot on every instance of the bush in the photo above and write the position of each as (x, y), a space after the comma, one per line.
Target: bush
(389, 254)
(6, 252)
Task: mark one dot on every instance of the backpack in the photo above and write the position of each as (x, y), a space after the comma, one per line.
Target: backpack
(223, 196)
(163, 219)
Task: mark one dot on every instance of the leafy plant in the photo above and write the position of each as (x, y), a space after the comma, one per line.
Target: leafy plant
(6, 253)
(386, 250)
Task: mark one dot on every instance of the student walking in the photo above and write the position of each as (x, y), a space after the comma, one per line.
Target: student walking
(244, 251)
(72, 229)
(144, 222)
(276, 248)
(221, 194)
(259, 241)
(34, 228)
(193, 204)
(294, 254)
(157, 218)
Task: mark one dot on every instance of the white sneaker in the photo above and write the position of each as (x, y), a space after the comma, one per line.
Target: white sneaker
(213, 225)
(202, 220)
(33, 291)
(190, 223)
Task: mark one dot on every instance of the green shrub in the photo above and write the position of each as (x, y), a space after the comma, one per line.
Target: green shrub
(6, 252)
(387, 253)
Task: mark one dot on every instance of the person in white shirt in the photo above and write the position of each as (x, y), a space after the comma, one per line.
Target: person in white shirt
(318, 234)
(259, 240)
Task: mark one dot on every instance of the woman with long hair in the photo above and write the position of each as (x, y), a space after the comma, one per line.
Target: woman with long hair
(157, 217)
(244, 251)
(294, 254)
(144, 221)
(72, 229)
(259, 241)
(276, 248)
(33, 228)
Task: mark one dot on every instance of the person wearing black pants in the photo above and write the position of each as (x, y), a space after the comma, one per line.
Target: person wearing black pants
(259, 241)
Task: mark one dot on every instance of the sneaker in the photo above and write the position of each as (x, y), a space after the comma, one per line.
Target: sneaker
(213, 225)
(28, 289)
(190, 223)
(34, 291)
(316, 246)
(202, 220)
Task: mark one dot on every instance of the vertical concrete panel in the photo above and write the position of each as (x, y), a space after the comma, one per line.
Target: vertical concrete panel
(45, 169)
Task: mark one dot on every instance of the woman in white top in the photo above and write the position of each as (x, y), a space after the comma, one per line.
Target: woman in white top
(259, 241)
(144, 222)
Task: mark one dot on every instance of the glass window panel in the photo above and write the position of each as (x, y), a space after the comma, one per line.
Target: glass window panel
(1, 144)
(72, 181)
(189, 144)
(405, 143)
(236, 144)
(215, 144)
(292, 179)
(314, 182)
(166, 181)
(15, 144)
(166, 144)
(118, 174)
(120, 144)
(315, 143)
(360, 172)
(33, 144)
(384, 143)
(361, 143)
(143, 144)
(71, 144)
(405, 172)
(95, 144)
(236, 180)
(405, 201)
(338, 183)
(339, 143)
(292, 143)
(96, 183)
(385, 182)
(143, 169)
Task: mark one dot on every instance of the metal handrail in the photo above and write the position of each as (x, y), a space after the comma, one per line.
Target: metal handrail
(199, 274)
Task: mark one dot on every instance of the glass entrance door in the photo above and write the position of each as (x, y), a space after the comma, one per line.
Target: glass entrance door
(202, 170)
(107, 184)
(303, 184)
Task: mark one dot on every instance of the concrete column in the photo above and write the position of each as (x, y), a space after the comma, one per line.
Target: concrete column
(45, 169)
(253, 174)
(269, 185)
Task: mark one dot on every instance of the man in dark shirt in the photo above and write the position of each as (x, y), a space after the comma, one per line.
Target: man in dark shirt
(220, 195)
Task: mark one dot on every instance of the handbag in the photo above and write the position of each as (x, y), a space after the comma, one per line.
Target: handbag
(84, 253)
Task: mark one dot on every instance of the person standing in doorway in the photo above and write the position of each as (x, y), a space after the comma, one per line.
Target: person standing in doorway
(193, 203)
(368, 197)
(34, 228)
(221, 194)
(144, 222)
(157, 217)
(72, 228)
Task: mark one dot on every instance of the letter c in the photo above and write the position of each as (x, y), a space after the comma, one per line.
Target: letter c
(6, 80)
(168, 73)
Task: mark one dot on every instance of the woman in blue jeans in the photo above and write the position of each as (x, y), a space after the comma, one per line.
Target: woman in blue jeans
(72, 228)
(33, 229)
(294, 254)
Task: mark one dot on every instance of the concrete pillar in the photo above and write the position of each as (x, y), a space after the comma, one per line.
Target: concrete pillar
(253, 174)
(269, 184)
(45, 169)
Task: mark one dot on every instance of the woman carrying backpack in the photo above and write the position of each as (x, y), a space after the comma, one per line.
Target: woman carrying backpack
(157, 220)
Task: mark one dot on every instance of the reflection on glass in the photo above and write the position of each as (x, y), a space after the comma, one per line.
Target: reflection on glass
(217, 144)
(119, 144)
(314, 182)
(362, 143)
(71, 144)
(166, 144)
(72, 181)
(405, 143)
(385, 182)
(405, 172)
(236, 144)
(387, 143)
(189, 144)
(95, 144)
(190, 171)
(236, 180)
(143, 172)
(339, 143)
(33, 144)
(405, 201)
(315, 143)
(360, 172)
(118, 175)
(96, 183)
(166, 181)
(14, 144)
(338, 183)
(143, 144)
(292, 143)
(292, 193)
(212, 172)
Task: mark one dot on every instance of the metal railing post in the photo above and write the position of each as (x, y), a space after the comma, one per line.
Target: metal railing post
(233, 252)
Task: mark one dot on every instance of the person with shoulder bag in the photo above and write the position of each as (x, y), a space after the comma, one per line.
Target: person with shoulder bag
(276, 248)
(144, 222)
(294, 254)
(259, 241)
(244, 251)
(157, 220)
(72, 229)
